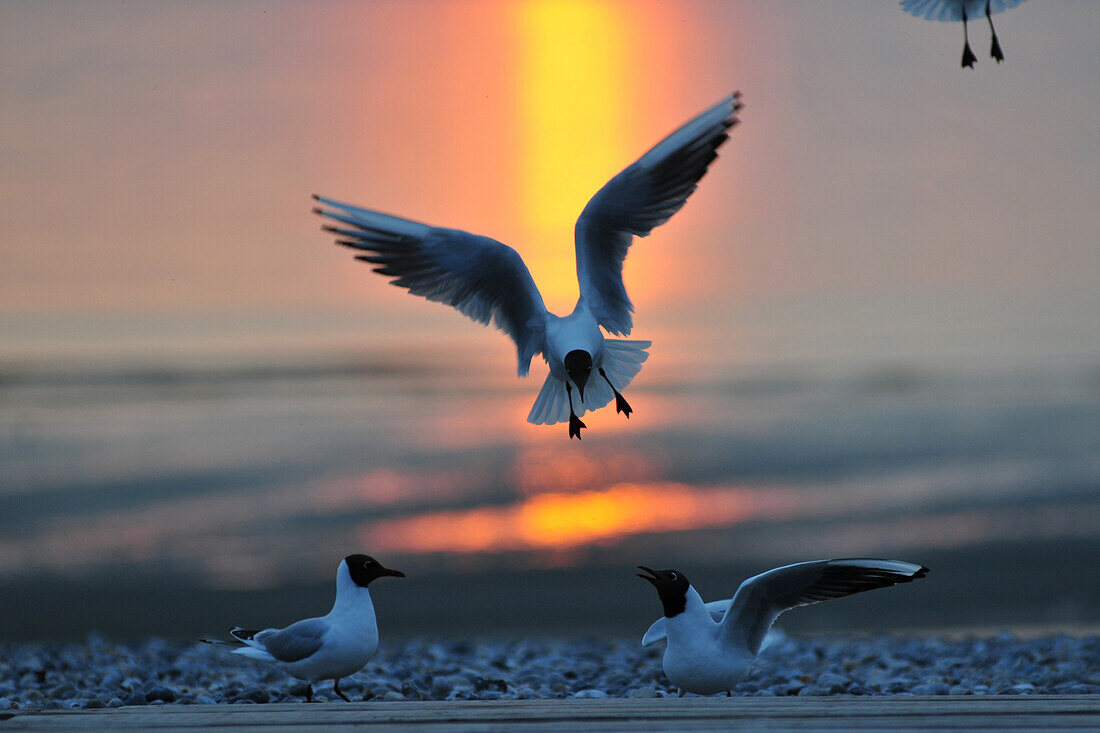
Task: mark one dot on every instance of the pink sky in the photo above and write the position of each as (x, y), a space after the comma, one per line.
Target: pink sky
(156, 162)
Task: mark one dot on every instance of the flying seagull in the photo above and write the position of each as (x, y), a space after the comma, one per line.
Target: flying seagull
(488, 281)
(329, 647)
(711, 646)
(964, 10)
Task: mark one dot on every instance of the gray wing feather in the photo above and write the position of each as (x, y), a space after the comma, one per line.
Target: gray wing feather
(295, 642)
(643, 196)
(760, 599)
(483, 279)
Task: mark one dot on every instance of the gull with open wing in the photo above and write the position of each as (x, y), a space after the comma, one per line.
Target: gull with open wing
(488, 281)
(711, 646)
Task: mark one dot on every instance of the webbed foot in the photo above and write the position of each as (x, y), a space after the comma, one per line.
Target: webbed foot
(995, 51)
(969, 58)
(621, 405)
(575, 426)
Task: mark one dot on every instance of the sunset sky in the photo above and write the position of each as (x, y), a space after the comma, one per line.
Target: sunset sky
(878, 317)
(157, 161)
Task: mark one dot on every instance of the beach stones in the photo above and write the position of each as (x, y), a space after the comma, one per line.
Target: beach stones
(161, 672)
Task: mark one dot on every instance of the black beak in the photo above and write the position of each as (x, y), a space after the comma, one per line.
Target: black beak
(580, 380)
(392, 573)
(652, 577)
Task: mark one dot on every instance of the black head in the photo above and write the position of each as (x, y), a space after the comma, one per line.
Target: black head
(364, 569)
(671, 585)
(578, 365)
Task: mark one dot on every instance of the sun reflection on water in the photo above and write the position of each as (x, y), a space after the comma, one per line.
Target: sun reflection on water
(562, 520)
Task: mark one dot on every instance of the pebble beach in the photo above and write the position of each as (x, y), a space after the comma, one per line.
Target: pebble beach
(99, 673)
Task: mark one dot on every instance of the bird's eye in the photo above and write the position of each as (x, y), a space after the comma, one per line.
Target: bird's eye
(673, 576)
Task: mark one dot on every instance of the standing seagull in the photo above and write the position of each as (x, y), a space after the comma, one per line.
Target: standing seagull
(711, 646)
(488, 281)
(964, 10)
(328, 647)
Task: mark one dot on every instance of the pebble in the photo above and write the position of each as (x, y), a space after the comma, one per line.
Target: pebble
(101, 673)
(933, 688)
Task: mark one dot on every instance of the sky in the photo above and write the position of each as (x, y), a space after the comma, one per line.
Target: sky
(877, 201)
(877, 207)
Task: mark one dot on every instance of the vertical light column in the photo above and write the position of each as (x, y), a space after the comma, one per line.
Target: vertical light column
(572, 104)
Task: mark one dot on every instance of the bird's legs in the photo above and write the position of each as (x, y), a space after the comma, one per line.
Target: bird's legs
(621, 405)
(968, 56)
(336, 689)
(995, 50)
(575, 423)
(309, 692)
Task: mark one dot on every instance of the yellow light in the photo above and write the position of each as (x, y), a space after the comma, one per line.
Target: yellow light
(557, 520)
(572, 106)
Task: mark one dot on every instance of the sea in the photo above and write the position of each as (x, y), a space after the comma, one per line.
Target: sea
(178, 496)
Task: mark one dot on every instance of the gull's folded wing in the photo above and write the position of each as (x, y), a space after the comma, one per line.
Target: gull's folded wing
(292, 644)
(482, 278)
(760, 599)
(638, 199)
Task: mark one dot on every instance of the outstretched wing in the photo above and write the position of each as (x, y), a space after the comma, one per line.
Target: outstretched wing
(760, 599)
(951, 10)
(484, 279)
(640, 198)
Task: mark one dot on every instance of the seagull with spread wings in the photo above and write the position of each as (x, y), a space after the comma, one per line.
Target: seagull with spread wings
(488, 281)
(710, 647)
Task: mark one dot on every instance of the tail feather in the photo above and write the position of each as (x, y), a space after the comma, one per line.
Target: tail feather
(551, 405)
(222, 642)
(622, 360)
(244, 635)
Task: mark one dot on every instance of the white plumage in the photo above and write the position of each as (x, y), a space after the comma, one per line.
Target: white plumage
(488, 281)
(327, 647)
(710, 647)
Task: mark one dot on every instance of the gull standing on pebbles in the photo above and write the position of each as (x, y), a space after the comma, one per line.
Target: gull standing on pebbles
(488, 281)
(328, 647)
(964, 10)
(711, 646)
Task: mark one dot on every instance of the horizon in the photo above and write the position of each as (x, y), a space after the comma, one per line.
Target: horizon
(874, 322)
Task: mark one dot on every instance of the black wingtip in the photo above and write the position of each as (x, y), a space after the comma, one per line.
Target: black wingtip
(329, 228)
(315, 197)
(318, 211)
